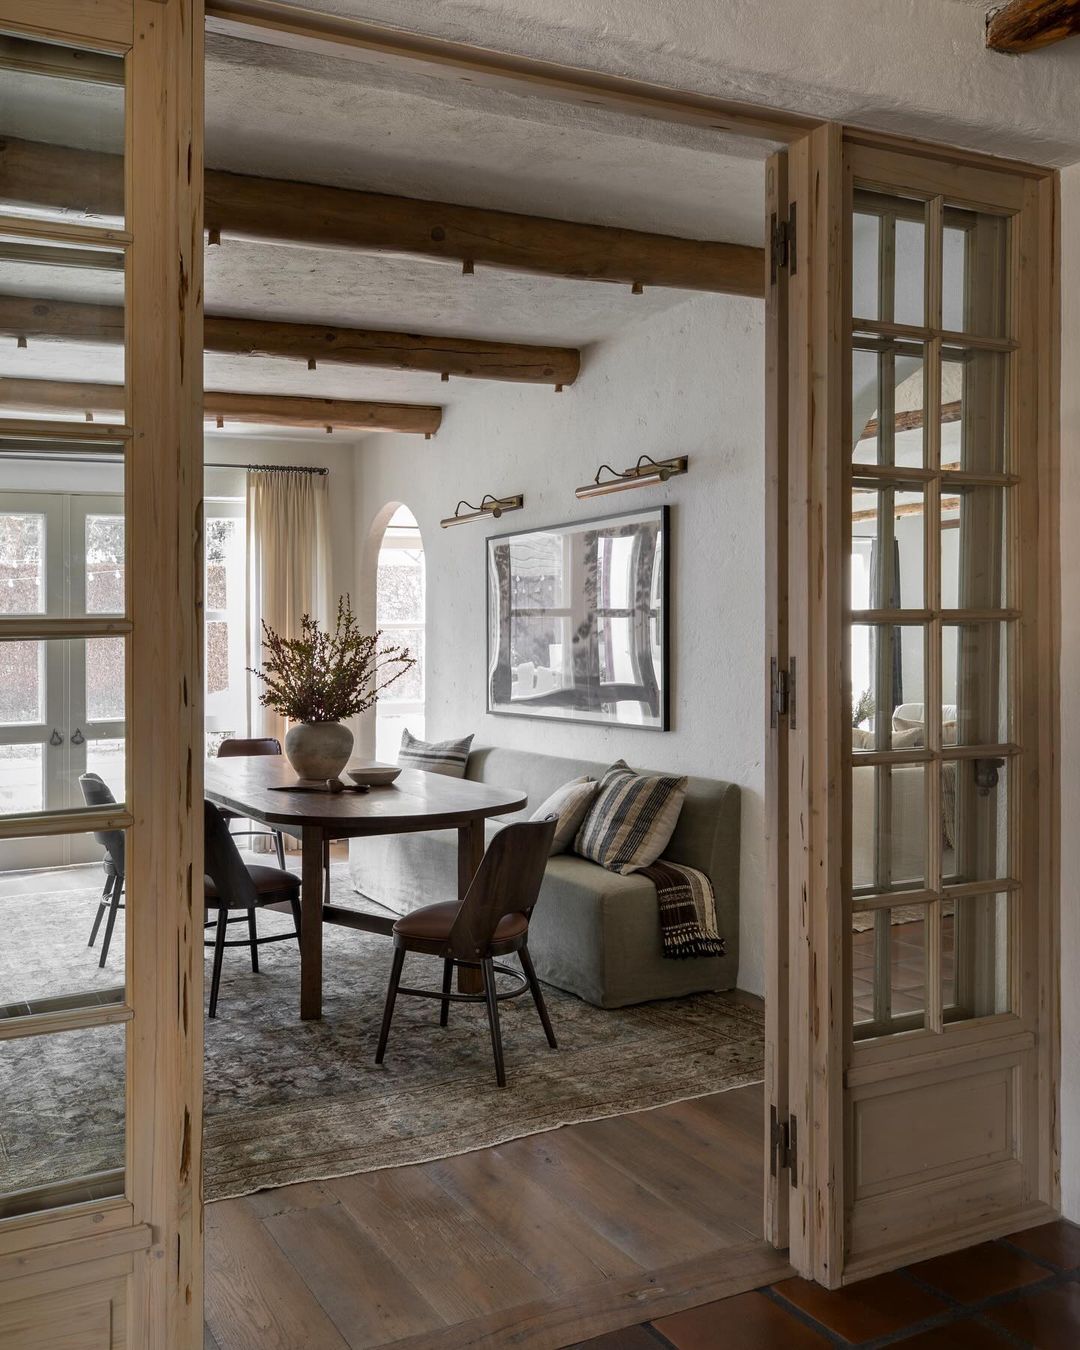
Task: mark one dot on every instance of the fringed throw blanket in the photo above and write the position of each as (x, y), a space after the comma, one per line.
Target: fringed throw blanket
(687, 910)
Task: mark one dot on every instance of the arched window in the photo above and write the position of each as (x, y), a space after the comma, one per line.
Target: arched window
(400, 615)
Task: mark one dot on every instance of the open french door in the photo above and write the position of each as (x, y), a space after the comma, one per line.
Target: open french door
(100, 1213)
(916, 720)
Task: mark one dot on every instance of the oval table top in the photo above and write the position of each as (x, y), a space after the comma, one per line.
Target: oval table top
(257, 786)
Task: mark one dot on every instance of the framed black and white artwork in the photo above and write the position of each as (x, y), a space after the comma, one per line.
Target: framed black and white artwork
(578, 621)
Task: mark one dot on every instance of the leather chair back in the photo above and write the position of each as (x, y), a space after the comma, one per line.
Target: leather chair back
(223, 864)
(96, 792)
(507, 881)
(239, 748)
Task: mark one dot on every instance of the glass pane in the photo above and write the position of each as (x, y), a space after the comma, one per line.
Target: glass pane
(887, 537)
(975, 956)
(64, 109)
(22, 683)
(105, 564)
(22, 562)
(50, 907)
(973, 410)
(975, 820)
(22, 779)
(975, 683)
(975, 273)
(400, 587)
(62, 1129)
(409, 688)
(973, 548)
(52, 342)
(888, 672)
(105, 680)
(888, 968)
(107, 758)
(887, 402)
(889, 258)
(888, 828)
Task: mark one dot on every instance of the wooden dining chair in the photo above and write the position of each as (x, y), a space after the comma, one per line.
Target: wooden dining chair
(491, 921)
(96, 792)
(237, 747)
(232, 884)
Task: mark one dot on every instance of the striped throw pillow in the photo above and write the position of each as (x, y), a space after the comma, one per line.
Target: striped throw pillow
(446, 757)
(570, 803)
(631, 819)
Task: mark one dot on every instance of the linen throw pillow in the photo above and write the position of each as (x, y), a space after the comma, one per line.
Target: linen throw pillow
(631, 820)
(570, 803)
(446, 757)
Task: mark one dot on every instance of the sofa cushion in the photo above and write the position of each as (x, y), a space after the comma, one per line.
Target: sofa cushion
(446, 757)
(632, 819)
(571, 804)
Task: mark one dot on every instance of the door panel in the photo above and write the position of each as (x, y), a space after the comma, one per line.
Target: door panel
(922, 317)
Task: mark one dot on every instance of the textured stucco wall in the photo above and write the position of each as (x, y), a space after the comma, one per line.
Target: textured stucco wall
(1070, 683)
(687, 381)
(914, 66)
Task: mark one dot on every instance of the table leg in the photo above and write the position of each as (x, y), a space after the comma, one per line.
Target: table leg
(311, 921)
(470, 854)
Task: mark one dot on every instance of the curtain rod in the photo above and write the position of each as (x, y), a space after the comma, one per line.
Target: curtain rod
(271, 468)
(77, 455)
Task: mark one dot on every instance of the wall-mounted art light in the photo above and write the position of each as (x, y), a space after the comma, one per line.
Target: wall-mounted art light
(489, 506)
(644, 473)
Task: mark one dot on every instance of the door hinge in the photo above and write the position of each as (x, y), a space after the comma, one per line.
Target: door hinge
(782, 1146)
(782, 245)
(782, 693)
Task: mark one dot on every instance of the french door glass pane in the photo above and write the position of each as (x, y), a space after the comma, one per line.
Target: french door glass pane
(22, 683)
(888, 828)
(975, 272)
(22, 779)
(64, 308)
(888, 969)
(62, 112)
(973, 544)
(22, 562)
(975, 824)
(63, 1118)
(888, 682)
(888, 258)
(48, 915)
(975, 940)
(888, 401)
(107, 758)
(887, 525)
(974, 390)
(105, 680)
(975, 683)
(105, 564)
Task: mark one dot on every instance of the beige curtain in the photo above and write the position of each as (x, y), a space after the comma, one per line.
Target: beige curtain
(287, 567)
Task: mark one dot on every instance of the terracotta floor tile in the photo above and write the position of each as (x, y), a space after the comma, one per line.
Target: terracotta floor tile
(979, 1272)
(967, 1335)
(629, 1338)
(1048, 1320)
(1058, 1242)
(863, 1311)
(745, 1322)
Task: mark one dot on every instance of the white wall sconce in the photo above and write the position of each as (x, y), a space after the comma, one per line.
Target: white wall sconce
(489, 506)
(645, 473)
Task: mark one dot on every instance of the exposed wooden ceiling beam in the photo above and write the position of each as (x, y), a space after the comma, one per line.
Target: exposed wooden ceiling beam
(22, 316)
(276, 211)
(1027, 25)
(914, 419)
(47, 396)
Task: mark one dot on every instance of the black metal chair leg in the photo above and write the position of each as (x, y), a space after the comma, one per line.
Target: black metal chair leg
(391, 999)
(297, 918)
(114, 905)
(253, 938)
(279, 841)
(103, 905)
(219, 952)
(447, 979)
(538, 997)
(493, 1019)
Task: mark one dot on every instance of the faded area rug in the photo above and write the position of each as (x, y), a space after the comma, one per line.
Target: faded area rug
(289, 1101)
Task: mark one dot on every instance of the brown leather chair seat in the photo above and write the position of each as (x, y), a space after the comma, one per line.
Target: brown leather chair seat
(433, 923)
(268, 881)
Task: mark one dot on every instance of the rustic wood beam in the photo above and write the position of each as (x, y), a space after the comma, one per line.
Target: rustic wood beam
(84, 399)
(470, 358)
(276, 211)
(1027, 25)
(913, 420)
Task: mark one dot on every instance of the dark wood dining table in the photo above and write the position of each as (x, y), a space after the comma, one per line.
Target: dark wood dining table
(263, 788)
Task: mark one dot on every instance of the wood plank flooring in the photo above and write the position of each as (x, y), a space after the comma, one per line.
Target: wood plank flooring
(538, 1243)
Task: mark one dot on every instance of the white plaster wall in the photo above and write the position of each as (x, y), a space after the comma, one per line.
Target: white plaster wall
(688, 381)
(1070, 684)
